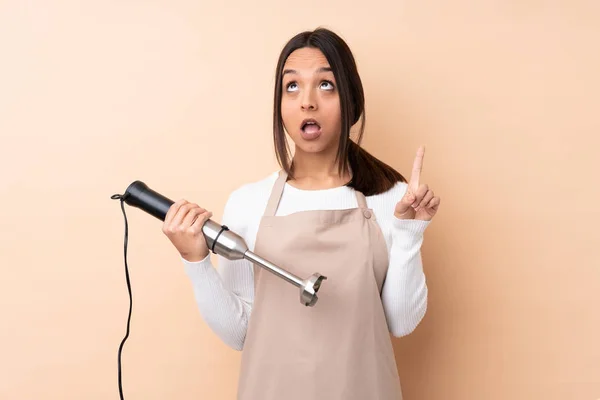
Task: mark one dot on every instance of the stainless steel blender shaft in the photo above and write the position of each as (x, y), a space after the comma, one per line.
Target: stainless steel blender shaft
(230, 245)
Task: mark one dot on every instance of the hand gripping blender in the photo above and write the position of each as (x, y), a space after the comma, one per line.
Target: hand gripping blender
(221, 240)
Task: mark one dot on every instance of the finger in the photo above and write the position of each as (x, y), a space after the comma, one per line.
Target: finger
(191, 216)
(404, 211)
(426, 199)
(415, 176)
(200, 220)
(434, 204)
(173, 210)
(181, 214)
(403, 207)
(419, 195)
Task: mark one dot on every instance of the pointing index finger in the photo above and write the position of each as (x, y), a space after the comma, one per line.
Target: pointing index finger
(417, 167)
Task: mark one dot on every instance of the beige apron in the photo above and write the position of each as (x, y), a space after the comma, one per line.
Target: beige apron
(340, 349)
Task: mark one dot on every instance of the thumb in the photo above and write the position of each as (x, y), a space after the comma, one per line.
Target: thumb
(404, 208)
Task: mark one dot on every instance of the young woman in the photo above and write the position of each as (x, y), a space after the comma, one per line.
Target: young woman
(334, 209)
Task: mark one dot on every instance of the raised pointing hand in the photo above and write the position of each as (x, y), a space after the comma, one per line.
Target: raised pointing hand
(419, 201)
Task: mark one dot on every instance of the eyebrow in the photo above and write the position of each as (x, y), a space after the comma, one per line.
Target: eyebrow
(293, 71)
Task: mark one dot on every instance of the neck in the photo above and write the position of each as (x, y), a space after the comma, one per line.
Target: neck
(317, 171)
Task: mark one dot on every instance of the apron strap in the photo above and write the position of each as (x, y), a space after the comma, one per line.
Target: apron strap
(276, 193)
(362, 201)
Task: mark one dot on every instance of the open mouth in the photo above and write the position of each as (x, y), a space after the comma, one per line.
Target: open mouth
(310, 128)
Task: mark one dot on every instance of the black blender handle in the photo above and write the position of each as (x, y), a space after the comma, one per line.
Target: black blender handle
(139, 195)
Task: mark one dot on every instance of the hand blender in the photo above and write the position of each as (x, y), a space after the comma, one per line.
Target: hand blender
(221, 240)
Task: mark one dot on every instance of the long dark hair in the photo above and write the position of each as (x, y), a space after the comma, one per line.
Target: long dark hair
(369, 174)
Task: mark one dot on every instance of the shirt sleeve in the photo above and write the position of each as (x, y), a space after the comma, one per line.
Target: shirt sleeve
(224, 295)
(405, 293)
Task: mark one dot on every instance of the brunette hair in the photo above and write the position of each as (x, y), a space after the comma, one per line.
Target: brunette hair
(369, 174)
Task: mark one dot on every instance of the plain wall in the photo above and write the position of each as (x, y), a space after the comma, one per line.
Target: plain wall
(94, 95)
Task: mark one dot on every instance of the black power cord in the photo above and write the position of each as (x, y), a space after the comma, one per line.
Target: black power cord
(122, 198)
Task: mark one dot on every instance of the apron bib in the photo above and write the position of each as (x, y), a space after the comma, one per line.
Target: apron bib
(341, 348)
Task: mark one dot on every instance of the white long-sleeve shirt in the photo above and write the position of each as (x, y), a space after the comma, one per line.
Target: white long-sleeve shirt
(224, 294)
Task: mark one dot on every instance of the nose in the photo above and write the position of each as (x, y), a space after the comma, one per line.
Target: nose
(309, 101)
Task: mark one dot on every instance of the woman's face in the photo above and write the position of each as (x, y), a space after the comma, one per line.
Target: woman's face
(310, 104)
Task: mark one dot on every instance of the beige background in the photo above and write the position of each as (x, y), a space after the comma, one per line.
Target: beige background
(94, 95)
